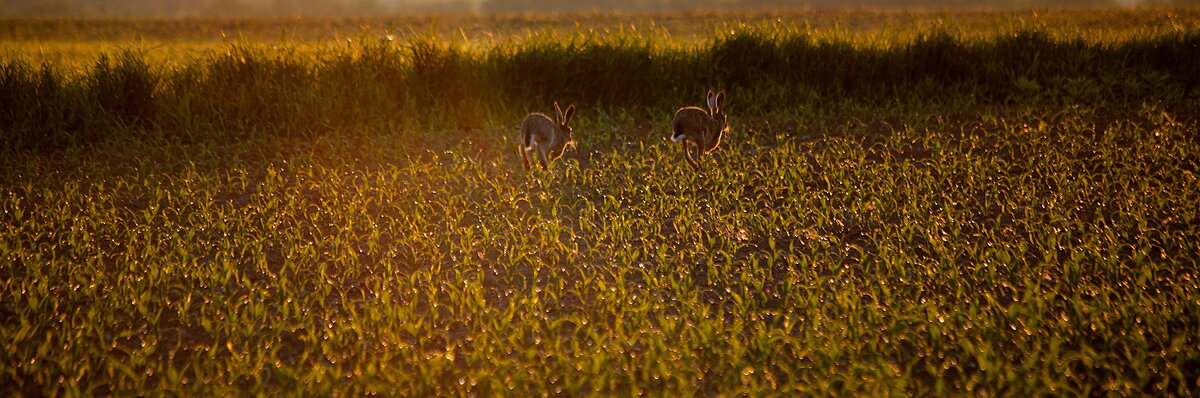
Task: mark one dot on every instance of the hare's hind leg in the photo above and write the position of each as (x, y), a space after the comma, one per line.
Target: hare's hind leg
(524, 157)
(524, 146)
(687, 155)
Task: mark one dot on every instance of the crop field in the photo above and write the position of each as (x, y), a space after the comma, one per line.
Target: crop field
(907, 203)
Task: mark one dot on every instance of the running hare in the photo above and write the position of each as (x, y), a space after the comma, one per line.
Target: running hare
(550, 138)
(704, 128)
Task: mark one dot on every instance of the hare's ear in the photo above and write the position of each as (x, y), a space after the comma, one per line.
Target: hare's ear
(720, 101)
(712, 101)
(570, 112)
(558, 112)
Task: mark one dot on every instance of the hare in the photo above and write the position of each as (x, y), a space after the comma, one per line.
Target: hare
(550, 138)
(704, 128)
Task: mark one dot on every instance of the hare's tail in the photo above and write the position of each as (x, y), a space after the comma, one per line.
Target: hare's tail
(677, 136)
(527, 140)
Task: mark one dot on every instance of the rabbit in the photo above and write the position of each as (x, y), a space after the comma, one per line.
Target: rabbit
(704, 128)
(550, 138)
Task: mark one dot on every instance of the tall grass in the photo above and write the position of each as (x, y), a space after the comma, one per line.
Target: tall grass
(423, 81)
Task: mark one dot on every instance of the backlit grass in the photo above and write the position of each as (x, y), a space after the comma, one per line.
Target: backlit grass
(1033, 243)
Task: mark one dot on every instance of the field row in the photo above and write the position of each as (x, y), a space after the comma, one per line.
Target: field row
(999, 254)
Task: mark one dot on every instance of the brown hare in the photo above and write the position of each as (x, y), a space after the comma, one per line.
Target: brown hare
(550, 138)
(702, 127)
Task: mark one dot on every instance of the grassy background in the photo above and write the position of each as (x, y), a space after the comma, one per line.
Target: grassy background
(436, 83)
(933, 212)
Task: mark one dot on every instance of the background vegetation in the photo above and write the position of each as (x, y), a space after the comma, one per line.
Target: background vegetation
(289, 8)
(943, 209)
(440, 83)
